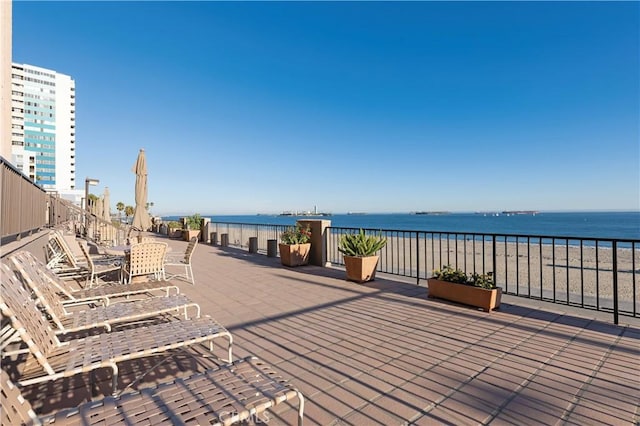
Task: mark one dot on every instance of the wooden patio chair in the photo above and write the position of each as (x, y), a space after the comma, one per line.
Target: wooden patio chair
(99, 316)
(145, 259)
(183, 261)
(51, 359)
(105, 293)
(226, 395)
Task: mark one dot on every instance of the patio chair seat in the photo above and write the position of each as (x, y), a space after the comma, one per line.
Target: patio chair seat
(99, 267)
(220, 396)
(106, 292)
(183, 261)
(52, 359)
(99, 316)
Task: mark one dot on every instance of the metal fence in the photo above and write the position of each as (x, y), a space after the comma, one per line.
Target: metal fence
(238, 234)
(23, 208)
(26, 208)
(590, 273)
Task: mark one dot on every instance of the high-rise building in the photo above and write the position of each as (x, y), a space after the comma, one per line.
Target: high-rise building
(43, 140)
(5, 78)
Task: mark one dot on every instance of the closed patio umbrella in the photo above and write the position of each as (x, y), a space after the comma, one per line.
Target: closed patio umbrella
(98, 211)
(141, 219)
(106, 208)
(106, 215)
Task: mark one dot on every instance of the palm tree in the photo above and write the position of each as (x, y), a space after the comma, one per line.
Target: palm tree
(128, 211)
(91, 203)
(120, 207)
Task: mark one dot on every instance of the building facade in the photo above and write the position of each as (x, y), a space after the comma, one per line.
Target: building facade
(43, 126)
(5, 78)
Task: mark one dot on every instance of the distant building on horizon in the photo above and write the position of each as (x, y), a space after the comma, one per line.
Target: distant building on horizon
(43, 128)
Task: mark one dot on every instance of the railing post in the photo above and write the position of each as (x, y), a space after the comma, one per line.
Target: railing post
(614, 247)
(494, 260)
(417, 258)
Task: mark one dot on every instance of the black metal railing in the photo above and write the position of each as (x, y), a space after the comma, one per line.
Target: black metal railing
(591, 273)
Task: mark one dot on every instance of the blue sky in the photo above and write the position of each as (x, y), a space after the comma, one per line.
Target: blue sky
(260, 107)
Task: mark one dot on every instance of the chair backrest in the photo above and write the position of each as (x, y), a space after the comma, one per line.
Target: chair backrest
(46, 295)
(25, 260)
(15, 409)
(69, 256)
(147, 258)
(87, 256)
(25, 317)
(53, 253)
(193, 242)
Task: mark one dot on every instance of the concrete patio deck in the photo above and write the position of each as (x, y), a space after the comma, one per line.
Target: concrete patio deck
(382, 353)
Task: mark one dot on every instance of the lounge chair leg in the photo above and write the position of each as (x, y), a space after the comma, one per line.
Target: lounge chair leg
(114, 380)
(230, 347)
(300, 408)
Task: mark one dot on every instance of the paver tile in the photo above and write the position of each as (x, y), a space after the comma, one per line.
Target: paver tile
(383, 353)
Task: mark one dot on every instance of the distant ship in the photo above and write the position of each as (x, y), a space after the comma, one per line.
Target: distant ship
(315, 212)
(433, 213)
(511, 212)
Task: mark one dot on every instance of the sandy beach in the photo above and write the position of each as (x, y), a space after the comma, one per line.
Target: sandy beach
(563, 272)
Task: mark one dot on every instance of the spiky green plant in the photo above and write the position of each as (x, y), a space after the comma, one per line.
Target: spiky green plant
(361, 244)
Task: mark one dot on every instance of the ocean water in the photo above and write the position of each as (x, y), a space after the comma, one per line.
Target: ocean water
(606, 225)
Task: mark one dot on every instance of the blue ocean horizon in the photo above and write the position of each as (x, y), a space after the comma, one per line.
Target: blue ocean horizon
(604, 225)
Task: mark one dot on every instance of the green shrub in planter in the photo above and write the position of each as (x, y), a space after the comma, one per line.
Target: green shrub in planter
(194, 221)
(449, 274)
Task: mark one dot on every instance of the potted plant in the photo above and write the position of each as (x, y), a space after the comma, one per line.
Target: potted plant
(295, 244)
(457, 286)
(360, 258)
(192, 227)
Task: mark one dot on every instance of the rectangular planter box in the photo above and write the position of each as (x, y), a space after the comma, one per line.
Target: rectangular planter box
(479, 297)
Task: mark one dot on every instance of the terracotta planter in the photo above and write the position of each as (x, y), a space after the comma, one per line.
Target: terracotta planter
(294, 254)
(479, 297)
(361, 269)
(187, 234)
